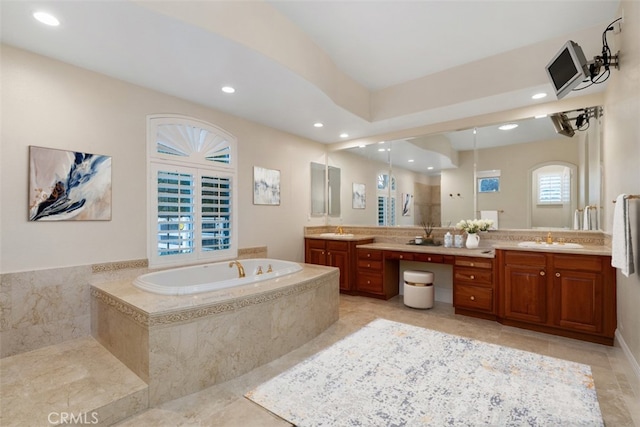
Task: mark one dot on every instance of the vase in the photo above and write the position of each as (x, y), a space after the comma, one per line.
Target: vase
(473, 240)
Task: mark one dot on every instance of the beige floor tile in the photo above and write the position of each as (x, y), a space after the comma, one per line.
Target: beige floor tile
(224, 404)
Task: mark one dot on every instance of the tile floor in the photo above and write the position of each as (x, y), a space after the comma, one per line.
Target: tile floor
(224, 405)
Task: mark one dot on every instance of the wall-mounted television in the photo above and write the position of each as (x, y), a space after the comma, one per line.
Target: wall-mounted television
(567, 69)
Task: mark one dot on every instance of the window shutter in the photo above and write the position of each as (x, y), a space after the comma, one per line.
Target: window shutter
(176, 208)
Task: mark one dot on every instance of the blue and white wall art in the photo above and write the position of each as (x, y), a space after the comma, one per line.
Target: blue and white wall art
(68, 185)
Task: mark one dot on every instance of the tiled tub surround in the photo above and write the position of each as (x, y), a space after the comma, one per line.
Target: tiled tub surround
(45, 307)
(183, 344)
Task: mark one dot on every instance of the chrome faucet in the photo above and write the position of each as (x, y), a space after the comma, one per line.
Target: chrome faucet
(240, 268)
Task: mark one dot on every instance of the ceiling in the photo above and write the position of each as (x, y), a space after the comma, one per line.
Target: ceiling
(372, 69)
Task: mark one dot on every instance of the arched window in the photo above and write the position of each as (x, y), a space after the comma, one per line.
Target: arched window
(192, 191)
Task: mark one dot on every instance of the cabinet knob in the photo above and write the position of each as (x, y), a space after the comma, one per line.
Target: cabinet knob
(401, 256)
(368, 265)
(557, 274)
(472, 277)
(429, 259)
(472, 265)
(368, 282)
(322, 252)
(472, 298)
(368, 255)
(542, 273)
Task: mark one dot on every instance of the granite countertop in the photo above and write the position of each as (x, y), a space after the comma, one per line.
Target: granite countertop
(556, 249)
(483, 251)
(347, 237)
(487, 249)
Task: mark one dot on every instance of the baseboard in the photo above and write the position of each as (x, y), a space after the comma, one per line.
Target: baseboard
(627, 352)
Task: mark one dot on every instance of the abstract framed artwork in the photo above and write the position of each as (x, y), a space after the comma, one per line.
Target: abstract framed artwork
(407, 202)
(359, 200)
(68, 185)
(266, 186)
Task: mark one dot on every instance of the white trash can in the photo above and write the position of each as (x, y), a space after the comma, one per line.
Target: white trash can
(418, 289)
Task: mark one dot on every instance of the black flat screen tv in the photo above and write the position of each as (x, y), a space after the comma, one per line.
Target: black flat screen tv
(567, 69)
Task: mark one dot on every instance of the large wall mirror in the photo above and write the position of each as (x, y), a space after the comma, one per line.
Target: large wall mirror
(442, 172)
(325, 190)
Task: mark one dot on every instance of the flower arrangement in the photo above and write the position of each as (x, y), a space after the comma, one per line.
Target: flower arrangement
(474, 225)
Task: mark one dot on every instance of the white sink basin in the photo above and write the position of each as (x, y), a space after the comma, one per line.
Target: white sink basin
(554, 245)
(343, 235)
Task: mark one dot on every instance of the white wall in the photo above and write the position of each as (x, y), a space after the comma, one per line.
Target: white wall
(621, 163)
(52, 104)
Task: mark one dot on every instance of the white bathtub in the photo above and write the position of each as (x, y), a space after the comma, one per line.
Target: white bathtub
(211, 277)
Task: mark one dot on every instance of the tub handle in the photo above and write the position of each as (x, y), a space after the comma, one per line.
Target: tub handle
(269, 270)
(259, 270)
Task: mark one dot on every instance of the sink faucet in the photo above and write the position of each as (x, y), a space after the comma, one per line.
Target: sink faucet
(339, 230)
(240, 268)
(549, 239)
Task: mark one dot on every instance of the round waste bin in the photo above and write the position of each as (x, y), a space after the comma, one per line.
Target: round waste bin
(418, 289)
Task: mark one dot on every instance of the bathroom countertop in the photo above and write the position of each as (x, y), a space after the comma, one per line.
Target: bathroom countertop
(556, 249)
(487, 249)
(348, 237)
(483, 251)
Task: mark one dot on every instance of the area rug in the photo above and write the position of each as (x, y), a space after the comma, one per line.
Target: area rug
(393, 374)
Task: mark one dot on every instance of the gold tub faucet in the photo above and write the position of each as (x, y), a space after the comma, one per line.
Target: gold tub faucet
(240, 268)
(339, 230)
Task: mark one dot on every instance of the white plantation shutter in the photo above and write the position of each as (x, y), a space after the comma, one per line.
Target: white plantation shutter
(192, 191)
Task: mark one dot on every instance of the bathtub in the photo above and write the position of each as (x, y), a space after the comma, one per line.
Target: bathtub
(211, 277)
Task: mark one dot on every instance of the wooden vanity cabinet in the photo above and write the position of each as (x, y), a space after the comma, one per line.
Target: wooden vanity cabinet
(335, 253)
(524, 286)
(474, 291)
(566, 294)
(377, 273)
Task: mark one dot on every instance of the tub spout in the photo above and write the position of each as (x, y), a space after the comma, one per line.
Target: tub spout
(240, 268)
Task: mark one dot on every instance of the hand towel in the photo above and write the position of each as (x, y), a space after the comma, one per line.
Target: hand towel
(621, 247)
(576, 220)
(586, 221)
(492, 215)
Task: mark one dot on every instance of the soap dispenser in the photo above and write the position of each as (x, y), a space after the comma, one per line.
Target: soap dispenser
(448, 240)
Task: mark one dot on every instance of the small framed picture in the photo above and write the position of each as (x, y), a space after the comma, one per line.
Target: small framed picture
(359, 200)
(266, 186)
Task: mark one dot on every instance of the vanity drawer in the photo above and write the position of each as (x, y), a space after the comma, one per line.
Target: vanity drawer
(473, 297)
(402, 256)
(367, 264)
(428, 258)
(370, 283)
(474, 262)
(577, 262)
(333, 245)
(370, 254)
(473, 275)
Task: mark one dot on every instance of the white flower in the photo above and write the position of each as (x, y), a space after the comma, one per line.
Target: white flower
(474, 225)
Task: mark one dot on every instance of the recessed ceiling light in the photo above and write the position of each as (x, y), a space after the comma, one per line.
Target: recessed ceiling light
(228, 89)
(318, 125)
(361, 146)
(430, 168)
(411, 160)
(539, 95)
(46, 18)
(508, 126)
(381, 149)
(344, 135)
(541, 116)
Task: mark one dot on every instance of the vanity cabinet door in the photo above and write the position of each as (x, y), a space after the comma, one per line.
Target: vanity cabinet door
(315, 252)
(578, 300)
(337, 255)
(525, 291)
(525, 278)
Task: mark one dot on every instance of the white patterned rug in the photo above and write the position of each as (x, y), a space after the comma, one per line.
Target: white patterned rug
(392, 374)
